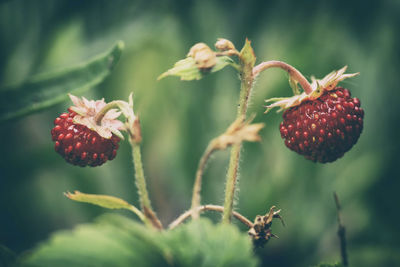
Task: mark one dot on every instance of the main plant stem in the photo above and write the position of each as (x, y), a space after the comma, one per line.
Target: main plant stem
(246, 75)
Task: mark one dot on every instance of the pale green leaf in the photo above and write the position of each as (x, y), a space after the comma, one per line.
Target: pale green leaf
(187, 69)
(105, 201)
(45, 90)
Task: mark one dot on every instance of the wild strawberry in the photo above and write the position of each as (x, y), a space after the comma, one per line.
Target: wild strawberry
(325, 124)
(78, 137)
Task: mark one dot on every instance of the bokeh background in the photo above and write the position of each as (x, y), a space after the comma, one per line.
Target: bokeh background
(179, 118)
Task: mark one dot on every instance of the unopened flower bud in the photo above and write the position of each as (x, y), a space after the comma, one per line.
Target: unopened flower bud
(224, 45)
(205, 58)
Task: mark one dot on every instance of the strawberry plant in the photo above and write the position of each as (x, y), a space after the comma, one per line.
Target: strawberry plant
(321, 122)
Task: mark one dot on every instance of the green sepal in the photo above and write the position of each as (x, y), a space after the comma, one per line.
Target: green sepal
(294, 85)
(247, 55)
(188, 70)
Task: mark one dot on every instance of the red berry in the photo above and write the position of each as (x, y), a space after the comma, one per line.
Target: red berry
(325, 128)
(79, 145)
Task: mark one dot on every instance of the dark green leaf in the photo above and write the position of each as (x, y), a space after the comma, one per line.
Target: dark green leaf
(7, 257)
(111, 241)
(45, 90)
(187, 68)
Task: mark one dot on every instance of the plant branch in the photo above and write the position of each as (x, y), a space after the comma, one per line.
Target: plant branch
(216, 208)
(341, 232)
(293, 72)
(199, 174)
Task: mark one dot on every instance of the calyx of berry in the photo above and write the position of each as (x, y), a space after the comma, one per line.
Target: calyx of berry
(87, 112)
(328, 83)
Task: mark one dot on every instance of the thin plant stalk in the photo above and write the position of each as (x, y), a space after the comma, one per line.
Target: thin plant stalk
(142, 188)
(341, 232)
(184, 216)
(293, 72)
(198, 181)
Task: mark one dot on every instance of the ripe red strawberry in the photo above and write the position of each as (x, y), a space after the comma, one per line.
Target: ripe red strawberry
(87, 135)
(79, 145)
(324, 124)
(325, 128)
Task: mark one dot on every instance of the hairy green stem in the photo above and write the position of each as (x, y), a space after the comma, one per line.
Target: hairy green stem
(197, 184)
(140, 181)
(246, 75)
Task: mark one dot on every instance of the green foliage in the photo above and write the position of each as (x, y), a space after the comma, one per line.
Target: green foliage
(201, 243)
(117, 241)
(47, 89)
(187, 68)
(7, 257)
(329, 265)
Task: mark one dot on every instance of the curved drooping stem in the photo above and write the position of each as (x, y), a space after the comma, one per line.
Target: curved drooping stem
(112, 105)
(197, 184)
(293, 72)
(216, 208)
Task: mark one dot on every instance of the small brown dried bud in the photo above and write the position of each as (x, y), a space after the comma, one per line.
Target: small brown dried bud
(239, 131)
(224, 45)
(205, 58)
(261, 230)
(137, 131)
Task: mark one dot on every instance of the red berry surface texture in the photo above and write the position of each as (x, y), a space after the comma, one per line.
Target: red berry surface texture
(79, 145)
(323, 123)
(325, 128)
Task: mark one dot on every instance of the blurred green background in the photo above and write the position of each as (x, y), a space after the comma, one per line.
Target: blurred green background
(179, 118)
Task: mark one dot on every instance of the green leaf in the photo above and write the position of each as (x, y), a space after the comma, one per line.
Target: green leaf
(7, 257)
(105, 201)
(329, 265)
(187, 69)
(117, 241)
(45, 90)
(201, 243)
(112, 241)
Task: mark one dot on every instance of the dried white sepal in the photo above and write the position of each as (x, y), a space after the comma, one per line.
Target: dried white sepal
(87, 111)
(240, 130)
(330, 81)
(327, 83)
